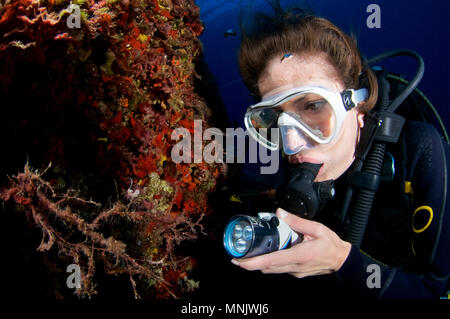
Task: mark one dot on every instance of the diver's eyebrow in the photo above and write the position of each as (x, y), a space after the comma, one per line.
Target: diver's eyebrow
(302, 97)
(294, 101)
(299, 98)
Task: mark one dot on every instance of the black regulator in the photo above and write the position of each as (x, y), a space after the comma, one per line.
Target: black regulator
(300, 195)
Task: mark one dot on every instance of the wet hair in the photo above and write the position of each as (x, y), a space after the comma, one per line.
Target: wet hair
(297, 30)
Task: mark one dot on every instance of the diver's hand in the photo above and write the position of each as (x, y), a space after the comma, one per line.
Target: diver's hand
(320, 252)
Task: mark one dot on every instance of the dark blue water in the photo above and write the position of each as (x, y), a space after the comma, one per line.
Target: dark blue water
(418, 25)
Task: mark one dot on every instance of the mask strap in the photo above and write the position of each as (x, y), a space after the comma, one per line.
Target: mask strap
(360, 95)
(351, 97)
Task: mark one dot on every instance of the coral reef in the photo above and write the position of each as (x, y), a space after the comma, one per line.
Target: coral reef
(90, 109)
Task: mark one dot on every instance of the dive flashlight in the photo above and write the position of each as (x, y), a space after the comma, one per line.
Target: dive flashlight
(247, 236)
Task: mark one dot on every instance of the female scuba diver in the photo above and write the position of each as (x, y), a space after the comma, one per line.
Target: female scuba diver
(311, 83)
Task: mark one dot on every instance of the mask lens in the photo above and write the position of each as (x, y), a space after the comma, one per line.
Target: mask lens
(264, 118)
(311, 114)
(314, 112)
(294, 139)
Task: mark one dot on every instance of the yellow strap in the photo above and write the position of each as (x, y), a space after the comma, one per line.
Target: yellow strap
(373, 258)
(408, 188)
(430, 210)
(234, 198)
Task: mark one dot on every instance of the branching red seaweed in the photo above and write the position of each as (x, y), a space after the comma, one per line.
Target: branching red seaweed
(100, 102)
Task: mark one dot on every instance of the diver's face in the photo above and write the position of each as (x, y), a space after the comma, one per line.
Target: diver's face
(315, 70)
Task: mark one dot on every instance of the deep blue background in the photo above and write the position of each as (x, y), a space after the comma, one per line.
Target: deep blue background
(422, 26)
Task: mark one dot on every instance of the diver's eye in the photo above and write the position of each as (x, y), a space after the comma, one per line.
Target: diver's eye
(315, 106)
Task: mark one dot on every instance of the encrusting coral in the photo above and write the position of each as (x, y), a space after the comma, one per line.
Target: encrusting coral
(90, 110)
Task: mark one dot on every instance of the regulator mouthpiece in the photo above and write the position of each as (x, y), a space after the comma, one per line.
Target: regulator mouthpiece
(301, 195)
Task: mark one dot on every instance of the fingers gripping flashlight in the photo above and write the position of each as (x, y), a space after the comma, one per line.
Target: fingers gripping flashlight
(247, 236)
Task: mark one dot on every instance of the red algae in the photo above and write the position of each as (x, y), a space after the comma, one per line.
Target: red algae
(107, 94)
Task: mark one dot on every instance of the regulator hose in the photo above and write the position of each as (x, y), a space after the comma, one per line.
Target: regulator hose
(413, 83)
(364, 201)
(374, 162)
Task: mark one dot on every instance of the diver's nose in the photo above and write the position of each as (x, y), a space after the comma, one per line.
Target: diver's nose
(293, 140)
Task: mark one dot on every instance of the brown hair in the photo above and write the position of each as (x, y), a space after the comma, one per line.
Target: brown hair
(295, 31)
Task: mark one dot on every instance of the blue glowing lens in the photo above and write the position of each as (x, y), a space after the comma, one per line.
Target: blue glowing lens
(237, 231)
(248, 233)
(240, 245)
(238, 237)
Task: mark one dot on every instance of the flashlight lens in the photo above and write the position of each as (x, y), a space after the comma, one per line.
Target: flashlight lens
(238, 237)
(240, 245)
(237, 231)
(248, 233)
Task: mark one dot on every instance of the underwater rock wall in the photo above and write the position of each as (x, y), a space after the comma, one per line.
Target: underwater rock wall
(90, 92)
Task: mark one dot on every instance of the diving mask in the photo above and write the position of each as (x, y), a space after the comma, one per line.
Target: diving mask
(304, 115)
